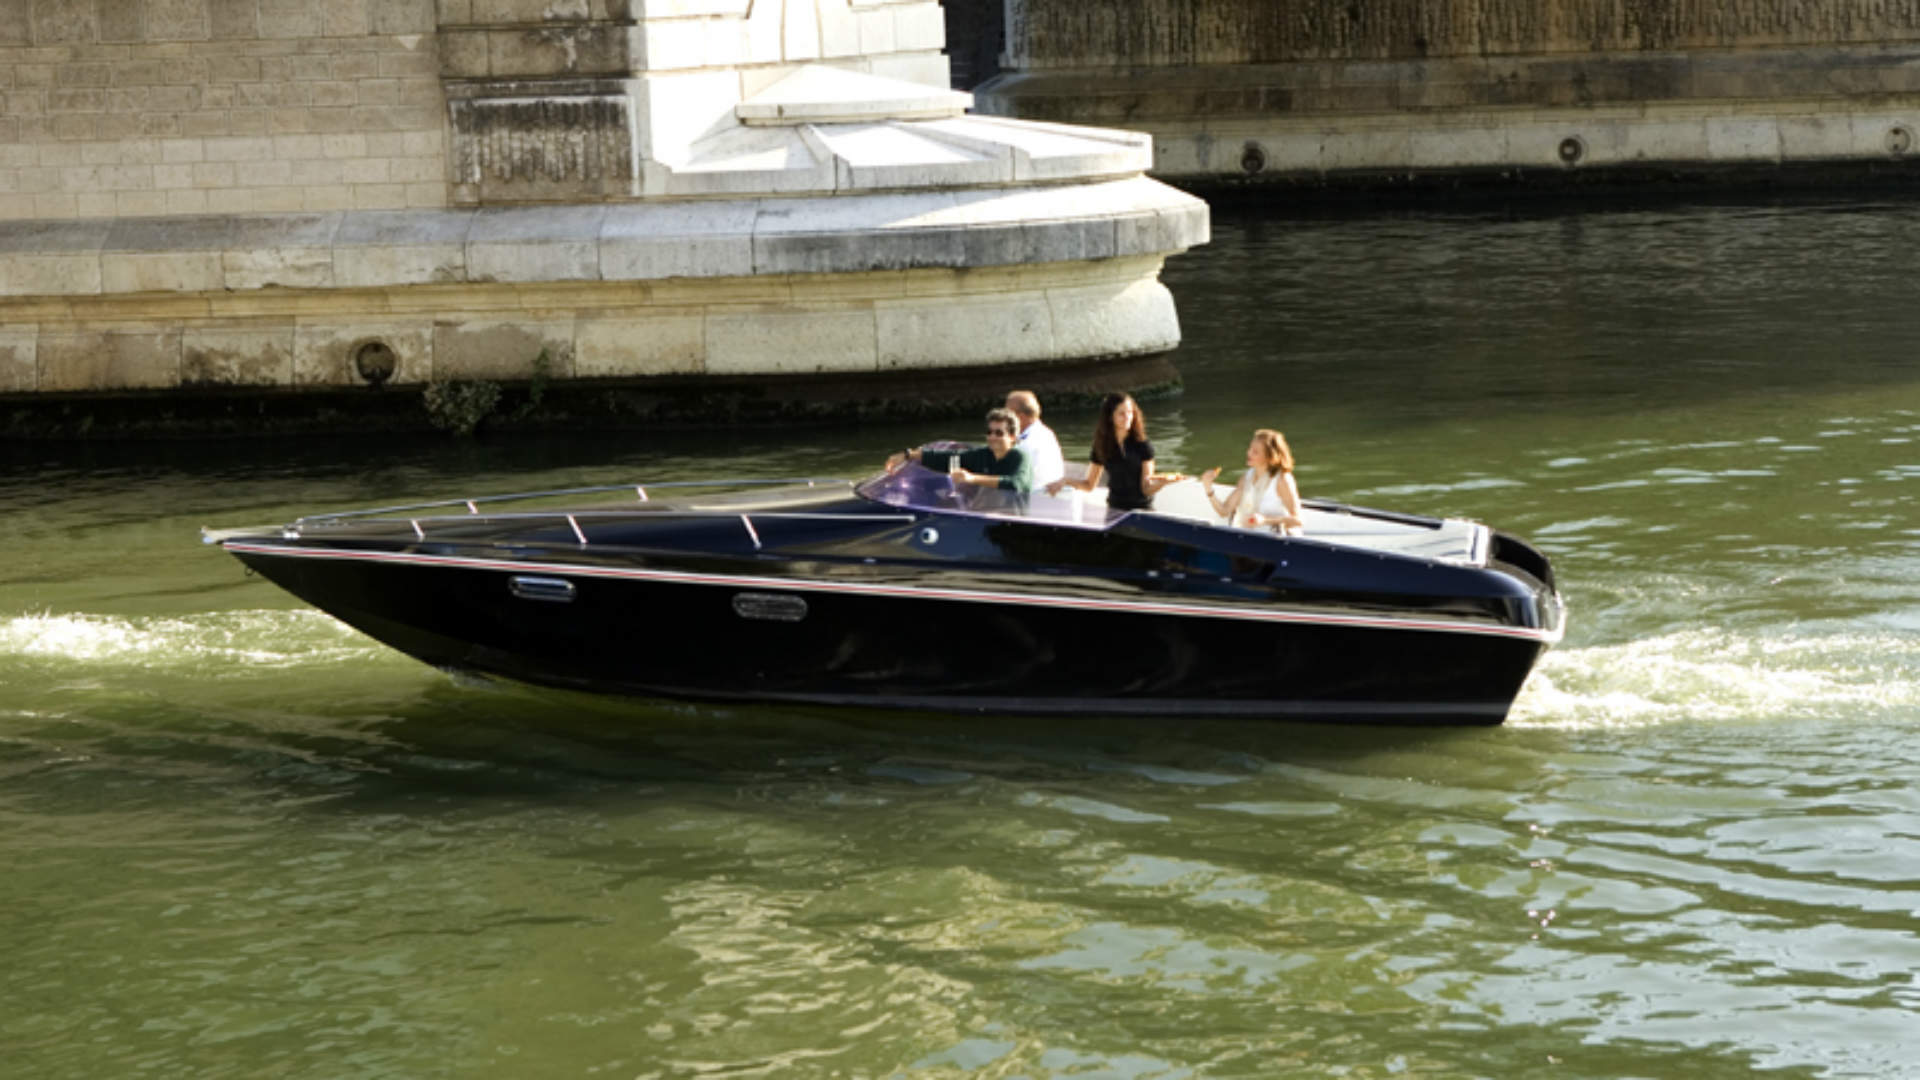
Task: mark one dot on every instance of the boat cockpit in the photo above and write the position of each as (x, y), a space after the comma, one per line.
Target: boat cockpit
(913, 487)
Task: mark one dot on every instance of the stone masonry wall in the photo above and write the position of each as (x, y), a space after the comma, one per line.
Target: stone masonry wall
(1046, 34)
(152, 107)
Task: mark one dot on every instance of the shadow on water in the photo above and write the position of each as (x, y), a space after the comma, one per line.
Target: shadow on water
(480, 740)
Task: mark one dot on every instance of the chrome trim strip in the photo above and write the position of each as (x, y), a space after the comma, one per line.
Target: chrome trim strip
(915, 591)
(633, 515)
(600, 489)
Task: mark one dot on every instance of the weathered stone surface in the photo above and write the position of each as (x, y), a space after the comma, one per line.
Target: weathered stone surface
(165, 254)
(1045, 34)
(292, 251)
(402, 17)
(547, 244)
(300, 130)
(548, 146)
(169, 271)
(19, 371)
(1817, 137)
(1134, 316)
(928, 67)
(560, 49)
(463, 53)
(59, 22)
(1673, 133)
(1315, 85)
(819, 94)
(101, 360)
(401, 247)
(1363, 149)
(1238, 90)
(178, 20)
(683, 239)
(324, 352)
(752, 325)
(16, 22)
(1742, 138)
(29, 274)
(481, 347)
(1459, 146)
(807, 236)
(670, 342)
(771, 341)
(588, 243)
(916, 333)
(237, 356)
(233, 19)
(631, 242)
(51, 258)
(545, 11)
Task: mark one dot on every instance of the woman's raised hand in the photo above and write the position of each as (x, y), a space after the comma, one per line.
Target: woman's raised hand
(1206, 478)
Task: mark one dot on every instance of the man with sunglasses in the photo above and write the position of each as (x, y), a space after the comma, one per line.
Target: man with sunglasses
(999, 464)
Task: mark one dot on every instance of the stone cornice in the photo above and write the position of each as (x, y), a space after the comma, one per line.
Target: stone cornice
(612, 242)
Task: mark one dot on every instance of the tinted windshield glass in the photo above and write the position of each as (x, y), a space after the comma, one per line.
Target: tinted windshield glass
(918, 488)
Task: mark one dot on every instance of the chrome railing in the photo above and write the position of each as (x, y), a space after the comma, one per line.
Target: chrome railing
(640, 491)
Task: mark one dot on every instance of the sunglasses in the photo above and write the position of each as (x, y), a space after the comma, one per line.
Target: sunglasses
(992, 431)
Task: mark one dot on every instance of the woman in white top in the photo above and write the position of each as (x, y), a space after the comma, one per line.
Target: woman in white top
(1266, 496)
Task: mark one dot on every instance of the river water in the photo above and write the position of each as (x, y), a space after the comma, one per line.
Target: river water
(239, 840)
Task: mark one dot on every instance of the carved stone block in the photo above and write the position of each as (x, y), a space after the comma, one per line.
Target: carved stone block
(543, 148)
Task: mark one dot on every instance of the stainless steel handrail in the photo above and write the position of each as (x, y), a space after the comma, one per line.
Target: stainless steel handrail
(473, 508)
(647, 515)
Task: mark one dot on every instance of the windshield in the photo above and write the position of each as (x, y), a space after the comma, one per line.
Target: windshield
(918, 488)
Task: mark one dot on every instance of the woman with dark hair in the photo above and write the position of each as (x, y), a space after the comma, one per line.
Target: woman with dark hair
(1266, 496)
(1123, 455)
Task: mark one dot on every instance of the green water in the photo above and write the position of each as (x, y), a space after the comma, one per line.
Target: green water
(239, 840)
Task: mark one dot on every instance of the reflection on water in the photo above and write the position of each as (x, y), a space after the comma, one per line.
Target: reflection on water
(243, 840)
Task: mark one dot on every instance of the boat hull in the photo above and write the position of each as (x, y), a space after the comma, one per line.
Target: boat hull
(962, 644)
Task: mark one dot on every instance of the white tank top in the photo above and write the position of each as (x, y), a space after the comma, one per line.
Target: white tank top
(1263, 499)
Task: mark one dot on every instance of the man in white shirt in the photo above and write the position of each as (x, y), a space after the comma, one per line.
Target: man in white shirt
(1037, 440)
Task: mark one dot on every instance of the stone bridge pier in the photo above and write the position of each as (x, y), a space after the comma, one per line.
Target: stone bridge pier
(1390, 91)
(319, 214)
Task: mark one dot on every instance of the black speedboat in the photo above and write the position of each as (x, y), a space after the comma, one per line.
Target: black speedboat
(902, 592)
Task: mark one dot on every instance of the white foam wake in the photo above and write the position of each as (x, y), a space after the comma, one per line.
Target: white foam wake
(1713, 674)
(255, 638)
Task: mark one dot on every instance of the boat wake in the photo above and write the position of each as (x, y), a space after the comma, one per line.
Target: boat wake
(278, 639)
(1722, 675)
(1702, 675)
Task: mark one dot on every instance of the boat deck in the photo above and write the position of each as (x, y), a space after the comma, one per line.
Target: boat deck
(1450, 540)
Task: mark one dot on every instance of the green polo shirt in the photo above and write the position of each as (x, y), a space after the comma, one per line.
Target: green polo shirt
(1015, 470)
